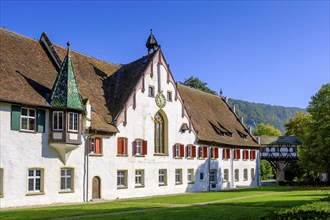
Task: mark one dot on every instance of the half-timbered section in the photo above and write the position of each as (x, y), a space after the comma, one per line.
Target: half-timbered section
(75, 128)
(279, 151)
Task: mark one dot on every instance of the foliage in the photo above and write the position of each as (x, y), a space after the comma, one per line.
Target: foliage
(256, 113)
(267, 171)
(298, 124)
(266, 130)
(196, 83)
(315, 151)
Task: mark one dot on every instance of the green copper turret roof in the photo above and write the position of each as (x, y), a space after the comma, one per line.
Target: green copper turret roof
(65, 92)
(152, 42)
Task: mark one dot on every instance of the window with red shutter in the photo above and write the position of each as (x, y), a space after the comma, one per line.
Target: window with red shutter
(252, 155)
(95, 145)
(193, 151)
(122, 146)
(181, 150)
(204, 152)
(98, 146)
(144, 147)
(216, 152)
(200, 152)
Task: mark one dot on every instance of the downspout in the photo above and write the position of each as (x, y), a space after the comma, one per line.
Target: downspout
(87, 163)
(232, 167)
(209, 168)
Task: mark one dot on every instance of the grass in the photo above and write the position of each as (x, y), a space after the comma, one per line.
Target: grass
(252, 203)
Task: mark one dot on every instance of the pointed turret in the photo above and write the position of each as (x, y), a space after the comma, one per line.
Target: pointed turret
(65, 92)
(151, 43)
(67, 112)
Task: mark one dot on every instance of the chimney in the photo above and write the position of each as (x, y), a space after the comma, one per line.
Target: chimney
(234, 108)
(226, 100)
(250, 130)
(258, 140)
(242, 120)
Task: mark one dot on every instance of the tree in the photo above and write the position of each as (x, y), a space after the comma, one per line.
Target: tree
(298, 124)
(266, 130)
(315, 150)
(194, 82)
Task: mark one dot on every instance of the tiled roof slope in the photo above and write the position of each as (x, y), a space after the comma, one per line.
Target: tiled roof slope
(27, 75)
(210, 115)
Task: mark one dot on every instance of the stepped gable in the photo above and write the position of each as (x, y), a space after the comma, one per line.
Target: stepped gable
(213, 119)
(27, 74)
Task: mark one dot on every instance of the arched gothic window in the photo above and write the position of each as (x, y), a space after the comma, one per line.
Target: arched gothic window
(159, 134)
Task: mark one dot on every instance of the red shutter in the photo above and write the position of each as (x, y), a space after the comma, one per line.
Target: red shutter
(119, 146)
(205, 152)
(252, 155)
(181, 150)
(193, 148)
(239, 154)
(174, 152)
(144, 147)
(134, 147)
(90, 145)
(97, 145)
(228, 153)
(216, 152)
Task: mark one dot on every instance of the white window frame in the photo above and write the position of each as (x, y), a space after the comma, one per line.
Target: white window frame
(34, 177)
(190, 176)
(73, 127)
(139, 177)
(245, 175)
(2, 182)
(67, 177)
(151, 91)
(189, 151)
(236, 175)
(169, 96)
(138, 146)
(57, 122)
(226, 175)
(28, 117)
(162, 176)
(213, 176)
(253, 175)
(178, 176)
(177, 150)
(121, 178)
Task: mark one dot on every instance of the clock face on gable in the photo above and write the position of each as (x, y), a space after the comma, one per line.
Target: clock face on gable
(160, 100)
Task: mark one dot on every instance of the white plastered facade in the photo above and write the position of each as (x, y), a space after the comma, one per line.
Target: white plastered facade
(21, 151)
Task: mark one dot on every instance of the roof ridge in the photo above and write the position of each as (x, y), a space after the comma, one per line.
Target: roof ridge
(198, 90)
(18, 35)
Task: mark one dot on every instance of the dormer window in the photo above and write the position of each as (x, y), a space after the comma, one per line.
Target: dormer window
(73, 122)
(58, 120)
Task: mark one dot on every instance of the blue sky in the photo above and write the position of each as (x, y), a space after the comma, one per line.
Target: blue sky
(273, 52)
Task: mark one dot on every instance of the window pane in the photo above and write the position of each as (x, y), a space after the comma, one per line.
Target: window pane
(31, 172)
(31, 123)
(24, 112)
(62, 182)
(38, 172)
(24, 123)
(31, 112)
(68, 183)
(38, 183)
(30, 187)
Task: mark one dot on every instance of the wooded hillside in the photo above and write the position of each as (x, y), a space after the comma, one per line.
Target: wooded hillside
(256, 113)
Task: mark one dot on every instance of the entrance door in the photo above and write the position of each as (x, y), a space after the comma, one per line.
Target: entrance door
(96, 188)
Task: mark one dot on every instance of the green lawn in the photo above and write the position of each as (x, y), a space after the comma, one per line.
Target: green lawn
(252, 203)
